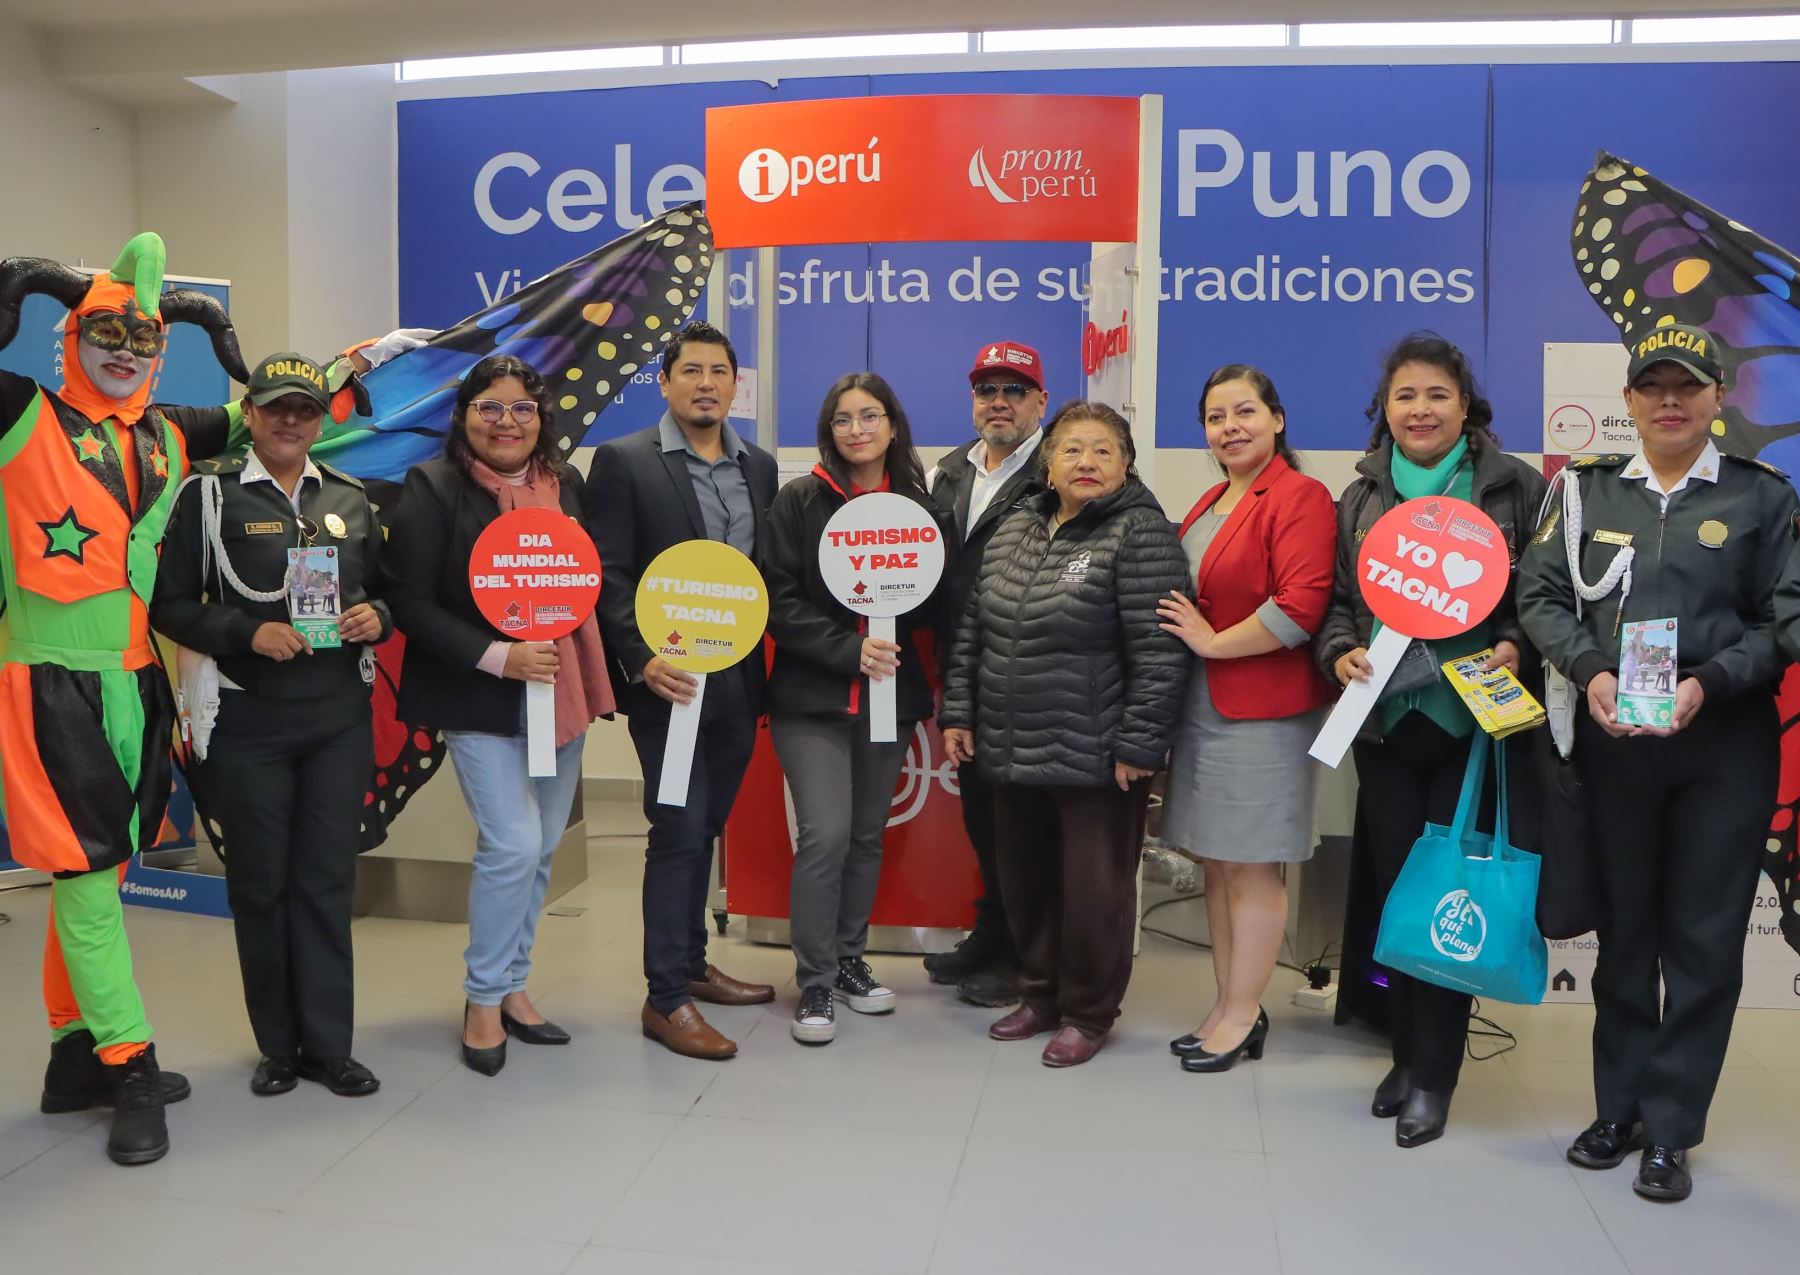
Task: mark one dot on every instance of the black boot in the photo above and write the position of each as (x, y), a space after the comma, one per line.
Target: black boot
(140, 1134)
(1423, 1118)
(1391, 1093)
(968, 957)
(76, 1079)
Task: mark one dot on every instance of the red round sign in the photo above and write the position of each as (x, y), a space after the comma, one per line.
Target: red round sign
(1433, 567)
(535, 574)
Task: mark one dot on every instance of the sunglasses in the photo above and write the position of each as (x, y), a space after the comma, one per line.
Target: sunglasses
(111, 332)
(1015, 392)
(492, 410)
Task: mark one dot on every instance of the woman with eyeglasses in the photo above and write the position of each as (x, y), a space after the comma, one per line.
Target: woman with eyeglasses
(842, 783)
(272, 567)
(463, 678)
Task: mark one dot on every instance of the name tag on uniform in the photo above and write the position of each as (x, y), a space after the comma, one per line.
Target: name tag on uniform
(1613, 537)
(262, 529)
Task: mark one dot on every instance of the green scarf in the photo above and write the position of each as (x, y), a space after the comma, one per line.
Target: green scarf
(1453, 475)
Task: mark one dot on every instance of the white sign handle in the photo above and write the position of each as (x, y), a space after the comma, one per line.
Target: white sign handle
(1358, 699)
(678, 751)
(540, 729)
(882, 701)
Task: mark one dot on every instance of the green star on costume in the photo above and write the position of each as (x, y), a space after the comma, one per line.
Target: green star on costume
(67, 537)
(89, 446)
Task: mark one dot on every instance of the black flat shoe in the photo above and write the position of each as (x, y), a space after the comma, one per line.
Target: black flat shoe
(1391, 1093)
(1204, 1060)
(345, 1077)
(533, 1033)
(1604, 1145)
(273, 1076)
(1422, 1119)
(1663, 1174)
(486, 1061)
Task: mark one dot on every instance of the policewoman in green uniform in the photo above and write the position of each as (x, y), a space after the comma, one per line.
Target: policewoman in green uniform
(272, 566)
(1677, 813)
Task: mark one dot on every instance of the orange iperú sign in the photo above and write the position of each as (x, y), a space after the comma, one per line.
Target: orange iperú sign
(898, 169)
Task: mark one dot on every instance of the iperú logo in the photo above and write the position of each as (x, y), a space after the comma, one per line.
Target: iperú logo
(1029, 173)
(766, 174)
(1076, 568)
(1458, 926)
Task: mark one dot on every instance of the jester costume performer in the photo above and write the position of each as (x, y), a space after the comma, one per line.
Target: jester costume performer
(87, 483)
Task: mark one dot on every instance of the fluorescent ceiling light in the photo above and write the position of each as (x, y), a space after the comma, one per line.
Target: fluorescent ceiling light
(526, 63)
(1715, 30)
(1265, 36)
(839, 46)
(1316, 35)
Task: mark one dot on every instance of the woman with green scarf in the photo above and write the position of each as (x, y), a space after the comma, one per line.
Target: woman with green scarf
(1432, 436)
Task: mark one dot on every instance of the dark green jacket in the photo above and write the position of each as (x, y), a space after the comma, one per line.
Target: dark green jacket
(1711, 561)
(258, 527)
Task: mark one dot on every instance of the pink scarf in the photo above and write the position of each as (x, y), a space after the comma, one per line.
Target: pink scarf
(583, 689)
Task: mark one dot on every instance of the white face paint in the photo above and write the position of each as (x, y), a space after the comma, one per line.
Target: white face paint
(115, 373)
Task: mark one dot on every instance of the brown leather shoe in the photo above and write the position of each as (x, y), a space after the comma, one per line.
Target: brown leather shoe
(686, 1033)
(719, 988)
(1023, 1023)
(1071, 1047)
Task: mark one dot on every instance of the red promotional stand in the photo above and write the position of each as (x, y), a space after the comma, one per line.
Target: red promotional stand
(913, 169)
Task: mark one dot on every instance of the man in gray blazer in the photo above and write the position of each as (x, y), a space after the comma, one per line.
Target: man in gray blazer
(978, 486)
(688, 477)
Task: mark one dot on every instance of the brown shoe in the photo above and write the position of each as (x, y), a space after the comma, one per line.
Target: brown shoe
(1071, 1047)
(1023, 1023)
(686, 1033)
(719, 988)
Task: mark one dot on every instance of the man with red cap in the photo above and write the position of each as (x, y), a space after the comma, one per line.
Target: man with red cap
(978, 486)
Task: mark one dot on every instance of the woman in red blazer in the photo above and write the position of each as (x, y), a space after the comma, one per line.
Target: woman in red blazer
(1262, 546)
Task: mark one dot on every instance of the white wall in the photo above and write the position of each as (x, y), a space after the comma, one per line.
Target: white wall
(71, 170)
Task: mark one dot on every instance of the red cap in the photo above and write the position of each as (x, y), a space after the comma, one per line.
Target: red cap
(1009, 356)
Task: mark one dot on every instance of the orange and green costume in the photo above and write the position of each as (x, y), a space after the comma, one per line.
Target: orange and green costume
(87, 485)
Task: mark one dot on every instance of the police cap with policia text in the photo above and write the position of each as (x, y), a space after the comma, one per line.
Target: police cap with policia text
(1693, 348)
(282, 374)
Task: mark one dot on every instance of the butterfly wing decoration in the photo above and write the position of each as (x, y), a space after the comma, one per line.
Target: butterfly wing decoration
(588, 327)
(1650, 255)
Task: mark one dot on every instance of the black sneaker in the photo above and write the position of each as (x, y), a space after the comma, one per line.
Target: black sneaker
(993, 987)
(140, 1133)
(972, 954)
(815, 1021)
(857, 985)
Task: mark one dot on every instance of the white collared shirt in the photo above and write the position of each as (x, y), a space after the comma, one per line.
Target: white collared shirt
(988, 481)
(1705, 468)
(254, 471)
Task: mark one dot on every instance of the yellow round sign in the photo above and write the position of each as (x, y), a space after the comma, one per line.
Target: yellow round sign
(702, 606)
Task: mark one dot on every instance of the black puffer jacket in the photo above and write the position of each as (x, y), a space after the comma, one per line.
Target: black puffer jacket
(1059, 665)
(1506, 489)
(818, 641)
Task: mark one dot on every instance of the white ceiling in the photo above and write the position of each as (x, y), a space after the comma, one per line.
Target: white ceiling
(121, 48)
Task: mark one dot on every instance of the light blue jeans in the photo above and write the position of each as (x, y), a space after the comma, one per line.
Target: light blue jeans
(519, 821)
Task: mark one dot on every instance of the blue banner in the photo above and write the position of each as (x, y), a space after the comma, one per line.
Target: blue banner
(1311, 216)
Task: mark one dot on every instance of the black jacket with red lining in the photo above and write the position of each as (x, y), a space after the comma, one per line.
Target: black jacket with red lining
(818, 641)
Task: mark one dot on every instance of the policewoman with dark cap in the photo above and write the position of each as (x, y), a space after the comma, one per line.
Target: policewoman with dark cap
(1677, 814)
(262, 551)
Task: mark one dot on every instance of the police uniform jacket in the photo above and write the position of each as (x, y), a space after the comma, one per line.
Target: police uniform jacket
(257, 528)
(1711, 561)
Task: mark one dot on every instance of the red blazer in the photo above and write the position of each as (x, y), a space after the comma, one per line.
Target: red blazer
(1281, 543)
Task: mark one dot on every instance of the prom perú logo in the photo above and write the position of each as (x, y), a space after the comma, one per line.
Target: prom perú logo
(766, 174)
(1028, 174)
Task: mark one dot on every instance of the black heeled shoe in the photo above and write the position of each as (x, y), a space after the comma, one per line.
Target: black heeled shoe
(486, 1061)
(1204, 1060)
(1183, 1046)
(533, 1033)
(1422, 1119)
(1391, 1093)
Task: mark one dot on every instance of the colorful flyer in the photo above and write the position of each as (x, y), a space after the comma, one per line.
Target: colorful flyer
(315, 597)
(1647, 673)
(1494, 697)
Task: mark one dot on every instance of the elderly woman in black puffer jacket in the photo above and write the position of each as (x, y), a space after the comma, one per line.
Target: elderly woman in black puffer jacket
(1064, 688)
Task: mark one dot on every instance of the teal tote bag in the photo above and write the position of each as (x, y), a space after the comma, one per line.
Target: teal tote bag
(1463, 912)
